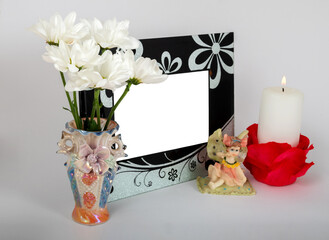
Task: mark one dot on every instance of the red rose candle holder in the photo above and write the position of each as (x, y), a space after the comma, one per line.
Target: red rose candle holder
(276, 164)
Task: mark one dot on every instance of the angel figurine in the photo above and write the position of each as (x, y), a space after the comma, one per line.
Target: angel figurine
(228, 153)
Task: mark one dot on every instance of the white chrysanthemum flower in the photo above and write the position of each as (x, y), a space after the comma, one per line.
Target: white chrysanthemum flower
(84, 80)
(112, 34)
(57, 29)
(86, 55)
(115, 70)
(60, 57)
(112, 74)
(75, 57)
(144, 70)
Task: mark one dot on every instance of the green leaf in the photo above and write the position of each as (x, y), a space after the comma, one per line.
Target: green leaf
(67, 109)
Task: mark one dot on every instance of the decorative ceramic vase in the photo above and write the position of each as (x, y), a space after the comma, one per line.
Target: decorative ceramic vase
(91, 168)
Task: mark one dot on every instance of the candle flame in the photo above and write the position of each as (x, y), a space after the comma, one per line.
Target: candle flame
(283, 81)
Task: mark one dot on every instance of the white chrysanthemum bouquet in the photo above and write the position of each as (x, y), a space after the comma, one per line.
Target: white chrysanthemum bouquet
(94, 56)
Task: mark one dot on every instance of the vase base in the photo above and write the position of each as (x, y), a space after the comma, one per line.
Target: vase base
(90, 217)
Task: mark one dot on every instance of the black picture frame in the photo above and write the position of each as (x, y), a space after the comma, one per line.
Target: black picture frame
(184, 54)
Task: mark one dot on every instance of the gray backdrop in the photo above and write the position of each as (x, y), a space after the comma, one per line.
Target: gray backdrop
(272, 38)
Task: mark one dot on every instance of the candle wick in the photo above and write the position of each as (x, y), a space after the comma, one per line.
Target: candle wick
(282, 89)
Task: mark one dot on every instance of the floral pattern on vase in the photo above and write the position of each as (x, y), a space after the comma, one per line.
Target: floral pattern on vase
(91, 168)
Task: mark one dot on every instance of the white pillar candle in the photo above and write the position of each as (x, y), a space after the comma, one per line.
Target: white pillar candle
(280, 115)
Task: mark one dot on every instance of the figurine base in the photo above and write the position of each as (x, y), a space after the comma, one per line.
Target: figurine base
(246, 190)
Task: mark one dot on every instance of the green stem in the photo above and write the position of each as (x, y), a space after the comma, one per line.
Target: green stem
(98, 111)
(95, 109)
(76, 110)
(73, 111)
(117, 104)
(75, 98)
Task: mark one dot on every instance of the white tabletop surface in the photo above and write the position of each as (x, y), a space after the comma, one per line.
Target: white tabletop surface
(298, 211)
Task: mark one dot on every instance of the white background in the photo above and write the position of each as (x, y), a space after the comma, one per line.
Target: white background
(272, 38)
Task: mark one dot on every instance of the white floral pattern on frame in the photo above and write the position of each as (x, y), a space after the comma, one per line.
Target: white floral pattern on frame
(168, 68)
(214, 55)
(139, 50)
(105, 100)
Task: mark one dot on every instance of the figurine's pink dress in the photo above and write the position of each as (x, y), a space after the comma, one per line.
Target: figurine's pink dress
(231, 176)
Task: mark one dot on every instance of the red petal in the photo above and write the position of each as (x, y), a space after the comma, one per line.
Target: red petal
(309, 149)
(280, 177)
(265, 154)
(303, 142)
(304, 169)
(259, 173)
(252, 135)
(293, 159)
(287, 166)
